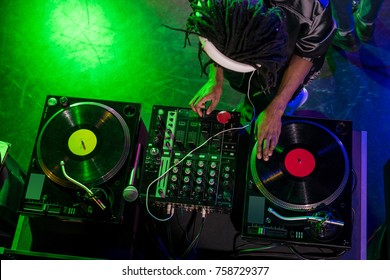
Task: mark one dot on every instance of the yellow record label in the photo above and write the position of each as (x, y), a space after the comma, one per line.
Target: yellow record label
(82, 142)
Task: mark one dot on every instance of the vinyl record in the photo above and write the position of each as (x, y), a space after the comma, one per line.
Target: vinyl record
(308, 169)
(91, 138)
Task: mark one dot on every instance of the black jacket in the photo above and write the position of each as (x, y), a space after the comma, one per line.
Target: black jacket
(310, 28)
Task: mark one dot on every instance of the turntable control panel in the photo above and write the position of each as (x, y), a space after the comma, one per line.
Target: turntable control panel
(189, 161)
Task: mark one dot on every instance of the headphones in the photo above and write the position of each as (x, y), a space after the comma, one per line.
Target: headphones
(223, 60)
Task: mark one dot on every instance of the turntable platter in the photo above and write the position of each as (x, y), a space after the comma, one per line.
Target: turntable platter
(309, 167)
(91, 138)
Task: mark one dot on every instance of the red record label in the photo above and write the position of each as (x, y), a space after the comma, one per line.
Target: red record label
(299, 162)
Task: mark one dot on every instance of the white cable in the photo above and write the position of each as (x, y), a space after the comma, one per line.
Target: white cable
(248, 95)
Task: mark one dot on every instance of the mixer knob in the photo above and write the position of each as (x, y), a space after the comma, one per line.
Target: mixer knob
(198, 189)
(185, 188)
(211, 182)
(213, 165)
(212, 173)
(174, 178)
(173, 187)
(227, 196)
(226, 175)
(186, 179)
(175, 170)
(156, 139)
(187, 171)
(199, 172)
(154, 151)
(223, 117)
(211, 190)
(201, 163)
(199, 180)
(189, 162)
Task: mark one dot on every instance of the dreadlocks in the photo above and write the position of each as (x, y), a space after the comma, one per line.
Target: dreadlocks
(243, 30)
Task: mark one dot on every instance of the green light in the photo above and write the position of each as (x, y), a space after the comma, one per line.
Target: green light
(88, 48)
(81, 33)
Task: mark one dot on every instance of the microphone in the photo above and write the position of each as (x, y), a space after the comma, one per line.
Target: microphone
(130, 193)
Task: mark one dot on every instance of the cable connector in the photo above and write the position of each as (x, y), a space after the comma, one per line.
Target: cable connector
(203, 212)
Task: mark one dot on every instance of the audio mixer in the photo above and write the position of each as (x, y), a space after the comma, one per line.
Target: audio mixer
(190, 162)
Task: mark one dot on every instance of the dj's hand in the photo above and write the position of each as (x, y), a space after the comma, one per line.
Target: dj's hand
(267, 130)
(211, 91)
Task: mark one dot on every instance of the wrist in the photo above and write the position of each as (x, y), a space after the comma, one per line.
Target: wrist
(277, 107)
(216, 75)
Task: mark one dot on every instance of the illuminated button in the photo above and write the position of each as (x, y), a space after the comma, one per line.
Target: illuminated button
(260, 231)
(223, 117)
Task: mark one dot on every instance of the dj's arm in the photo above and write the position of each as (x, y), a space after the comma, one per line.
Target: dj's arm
(211, 91)
(269, 122)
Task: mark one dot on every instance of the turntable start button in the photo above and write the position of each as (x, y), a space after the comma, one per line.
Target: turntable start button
(300, 162)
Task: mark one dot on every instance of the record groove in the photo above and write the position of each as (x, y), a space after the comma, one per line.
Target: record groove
(91, 138)
(309, 167)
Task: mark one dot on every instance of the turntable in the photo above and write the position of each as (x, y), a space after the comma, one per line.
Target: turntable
(81, 159)
(302, 195)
